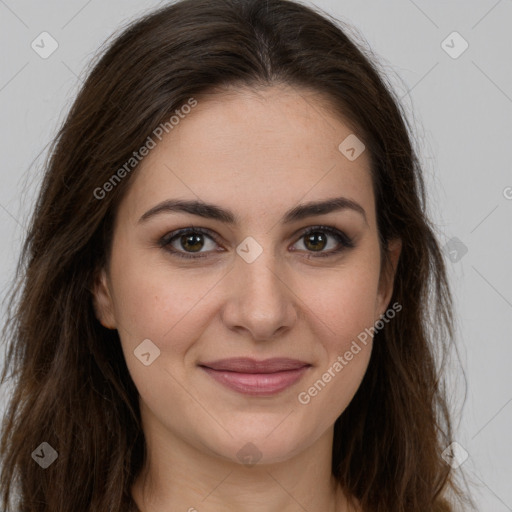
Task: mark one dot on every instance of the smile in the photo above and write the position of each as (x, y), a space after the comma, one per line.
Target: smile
(256, 378)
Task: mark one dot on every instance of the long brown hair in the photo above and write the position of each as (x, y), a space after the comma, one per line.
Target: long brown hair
(72, 388)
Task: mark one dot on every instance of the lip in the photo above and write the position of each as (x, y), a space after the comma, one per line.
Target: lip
(256, 378)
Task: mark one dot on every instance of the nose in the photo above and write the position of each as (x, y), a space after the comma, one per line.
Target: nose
(260, 300)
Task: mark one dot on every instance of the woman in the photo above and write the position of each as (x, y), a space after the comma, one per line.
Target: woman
(289, 364)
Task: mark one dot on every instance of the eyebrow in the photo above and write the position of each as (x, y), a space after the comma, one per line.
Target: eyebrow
(212, 211)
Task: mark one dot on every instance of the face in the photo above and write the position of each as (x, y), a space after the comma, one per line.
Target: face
(256, 277)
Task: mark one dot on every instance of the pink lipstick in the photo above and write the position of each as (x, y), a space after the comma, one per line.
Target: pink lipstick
(256, 378)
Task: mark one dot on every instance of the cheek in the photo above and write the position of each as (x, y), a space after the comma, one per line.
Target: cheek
(344, 305)
(150, 301)
(342, 311)
(343, 314)
(151, 306)
(326, 396)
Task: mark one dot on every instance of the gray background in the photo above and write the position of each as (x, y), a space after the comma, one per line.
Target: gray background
(460, 108)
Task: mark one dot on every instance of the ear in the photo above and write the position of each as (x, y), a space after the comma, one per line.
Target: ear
(102, 300)
(387, 275)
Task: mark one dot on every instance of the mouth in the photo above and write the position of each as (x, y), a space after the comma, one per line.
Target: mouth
(256, 378)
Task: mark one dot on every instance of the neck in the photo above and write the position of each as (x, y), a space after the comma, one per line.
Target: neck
(180, 476)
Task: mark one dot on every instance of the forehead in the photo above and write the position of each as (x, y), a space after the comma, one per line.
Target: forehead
(257, 151)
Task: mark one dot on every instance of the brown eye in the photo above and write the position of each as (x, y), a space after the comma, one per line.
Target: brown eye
(191, 242)
(316, 239)
(185, 242)
(188, 240)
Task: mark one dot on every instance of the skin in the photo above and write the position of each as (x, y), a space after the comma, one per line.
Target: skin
(259, 154)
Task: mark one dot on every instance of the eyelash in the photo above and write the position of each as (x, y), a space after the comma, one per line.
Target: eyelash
(344, 241)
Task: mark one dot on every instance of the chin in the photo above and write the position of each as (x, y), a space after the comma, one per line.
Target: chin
(262, 444)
